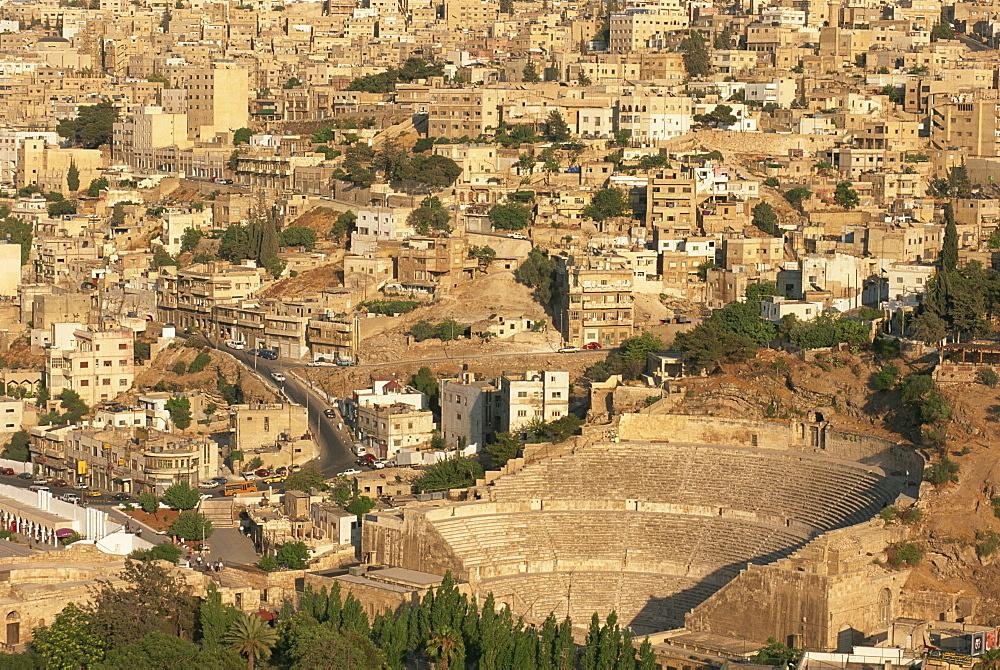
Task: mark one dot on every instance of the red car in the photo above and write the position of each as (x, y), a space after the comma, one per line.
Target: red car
(263, 472)
(6, 471)
(592, 345)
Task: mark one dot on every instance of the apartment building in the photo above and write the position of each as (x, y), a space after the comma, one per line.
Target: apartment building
(594, 300)
(463, 112)
(471, 410)
(385, 429)
(971, 126)
(216, 98)
(187, 297)
(538, 395)
(98, 365)
(259, 426)
(652, 117)
(428, 264)
(130, 460)
(671, 199)
(646, 28)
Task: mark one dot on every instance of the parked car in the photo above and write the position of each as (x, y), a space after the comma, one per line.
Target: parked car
(208, 485)
(350, 472)
(263, 472)
(121, 496)
(253, 352)
(568, 350)
(267, 354)
(345, 363)
(331, 413)
(38, 487)
(282, 471)
(247, 475)
(25, 475)
(233, 344)
(274, 479)
(379, 464)
(41, 481)
(592, 345)
(277, 376)
(223, 181)
(59, 482)
(219, 480)
(6, 471)
(91, 493)
(70, 497)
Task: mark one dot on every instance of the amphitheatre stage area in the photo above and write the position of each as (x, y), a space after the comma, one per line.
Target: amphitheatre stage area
(669, 533)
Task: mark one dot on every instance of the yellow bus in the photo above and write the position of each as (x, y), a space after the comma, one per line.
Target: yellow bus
(240, 487)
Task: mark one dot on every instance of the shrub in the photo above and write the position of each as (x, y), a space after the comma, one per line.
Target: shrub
(200, 361)
(292, 555)
(390, 307)
(886, 378)
(191, 526)
(149, 503)
(942, 473)
(988, 377)
(164, 551)
(987, 543)
(889, 514)
(180, 368)
(904, 553)
(267, 563)
(450, 474)
(181, 496)
(911, 516)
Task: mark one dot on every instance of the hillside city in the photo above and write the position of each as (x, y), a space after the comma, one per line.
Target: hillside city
(488, 334)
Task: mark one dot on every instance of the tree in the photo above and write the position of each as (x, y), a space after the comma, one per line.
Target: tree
(529, 74)
(96, 186)
(17, 231)
(510, 216)
(293, 555)
(430, 216)
(446, 646)
(298, 236)
(191, 526)
(765, 219)
(723, 40)
(634, 352)
(485, 255)
(73, 177)
(69, 641)
(242, 136)
(190, 239)
(607, 203)
(448, 330)
(62, 208)
(722, 116)
(797, 195)
(538, 271)
(344, 225)
(92, 127)
(697, 61)
(17, 448)
(556, 129)
(181, 496)
(845, 196)
(433, 170)
(149, 502)
(423, 330)
(949, 246)
(503, 448)
(214, 618)
(164, 551)
(235, 244)
(942, 31)
(252, 637)
(305, 479)
(449, 474)
(180, 412)
(360, 505)
(293, 82)
(233, 162)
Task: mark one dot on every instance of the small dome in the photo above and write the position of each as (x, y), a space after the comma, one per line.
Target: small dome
(54, 39)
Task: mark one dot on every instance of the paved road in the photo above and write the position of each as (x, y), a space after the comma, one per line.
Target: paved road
(334, 446)
(231, 546)
(974, 45)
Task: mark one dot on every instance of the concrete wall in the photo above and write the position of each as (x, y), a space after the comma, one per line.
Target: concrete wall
(708, 430)
(895, 459)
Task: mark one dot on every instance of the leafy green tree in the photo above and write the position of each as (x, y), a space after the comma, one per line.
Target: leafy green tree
(845, 196)
(164, 551)
(149, 502)
(191, 526)
(886, 378)
(723, 40)
(384, 82)
(96, 186)
(510, 216)
(530, 74)
(233, 162)
(298, 236)
(251, 637)
(607, 203)
(147, 598)
(449, 329)
(503, 448)
(180, 412)
(709, 344)
(776, 653)
(556, 129)
(162, 259)
(449, 474)
(344, 225)
(18, 232)
(697, 60)
(293, 82)
(159, 650)
(190, 239)
(235, 244)
(425, 382)
(721, 117)
(69, 642)
(73, 177)
(765, 219)
(305, 479)
(430, 216)
(796, 196)
(292, 555)
(242, 136)
(62, 208)
(414, 68)
(360, 505)
(16, 448)
(485, 255)
(92, 127)
(181, 496)
(538, 271)
(942, 31)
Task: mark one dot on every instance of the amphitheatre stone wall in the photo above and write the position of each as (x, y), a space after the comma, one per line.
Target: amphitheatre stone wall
(708, 430)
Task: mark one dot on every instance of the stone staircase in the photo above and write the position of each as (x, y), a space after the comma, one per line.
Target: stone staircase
(219, 511)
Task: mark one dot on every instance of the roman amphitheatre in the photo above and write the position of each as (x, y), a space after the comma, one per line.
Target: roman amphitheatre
(741, 528)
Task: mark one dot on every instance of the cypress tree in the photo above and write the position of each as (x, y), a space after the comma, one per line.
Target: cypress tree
(73, 177)
(547, 643)
(647, 659)
(564, 652)
(353, 617)
(306, 601)
(333, 605)
(949, 247)
(592, 648)
(319, 605)
(626, 652)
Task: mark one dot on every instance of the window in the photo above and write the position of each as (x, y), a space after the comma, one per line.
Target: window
(522, 412)
(522, 394)
(84, 382)
(84, 365)
(122, 346)
(106, 381)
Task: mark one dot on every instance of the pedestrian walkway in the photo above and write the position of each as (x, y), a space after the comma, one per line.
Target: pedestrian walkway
(219, 511)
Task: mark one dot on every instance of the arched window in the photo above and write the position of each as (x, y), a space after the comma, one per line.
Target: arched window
(13, 628)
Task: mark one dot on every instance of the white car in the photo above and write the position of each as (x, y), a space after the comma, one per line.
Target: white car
(233, 344)
(277, 376)
(350, 472)
(379, 464)
(208, 485)
(569, 350)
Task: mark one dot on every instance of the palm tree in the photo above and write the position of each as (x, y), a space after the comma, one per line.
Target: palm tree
(444, 645)
(250, 635)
